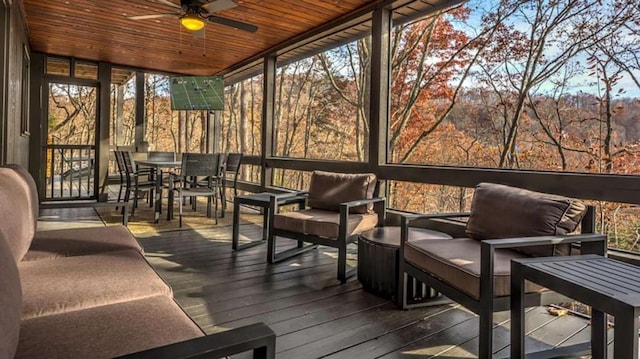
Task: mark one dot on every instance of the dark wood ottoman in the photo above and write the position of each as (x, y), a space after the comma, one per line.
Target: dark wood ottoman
(378, 261)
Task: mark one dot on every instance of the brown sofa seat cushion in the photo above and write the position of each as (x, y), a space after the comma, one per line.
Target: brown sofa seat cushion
(106, 331)
(17, 217)
(327, 190)
(10, 301)
(499, 211)
(323, 223)
(74, 283)
(80, 241)
(457, 262)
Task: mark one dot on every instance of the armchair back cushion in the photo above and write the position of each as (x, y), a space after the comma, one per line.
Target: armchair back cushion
(327, 190)
(10, 301)
(499, 211)
(32, 191)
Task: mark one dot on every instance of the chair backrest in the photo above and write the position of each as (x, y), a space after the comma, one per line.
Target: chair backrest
(129, 165)
(161, 156)
(200, 164)
(120, 162)
(233, 162)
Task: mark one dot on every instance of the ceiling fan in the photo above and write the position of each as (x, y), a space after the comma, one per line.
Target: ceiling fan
(194, 14)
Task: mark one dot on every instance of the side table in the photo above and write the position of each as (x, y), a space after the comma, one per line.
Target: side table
(262, 200)
(378, 261)
(608, 286)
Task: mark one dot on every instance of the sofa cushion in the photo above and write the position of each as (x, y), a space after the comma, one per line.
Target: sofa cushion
(499, 211)
(106, 331)
(32, 191)
(10, 301)
(80, 241)
(457, 262)
(75, 283)
(323, 223)
(17, 218)
(327, 190)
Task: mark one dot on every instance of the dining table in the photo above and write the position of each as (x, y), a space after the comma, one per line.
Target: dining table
(158, 166)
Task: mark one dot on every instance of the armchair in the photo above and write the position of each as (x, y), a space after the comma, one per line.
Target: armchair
(341, 206)
(505, 223)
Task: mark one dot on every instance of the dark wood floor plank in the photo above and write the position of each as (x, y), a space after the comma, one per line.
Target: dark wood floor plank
(404, 336)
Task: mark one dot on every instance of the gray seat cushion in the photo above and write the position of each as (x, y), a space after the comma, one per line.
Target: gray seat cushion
(80, 241)
(74, 283)
(10, 302)
(106, 331)
(323, 223)
(457, 262)
(327, 190)
(499, 211)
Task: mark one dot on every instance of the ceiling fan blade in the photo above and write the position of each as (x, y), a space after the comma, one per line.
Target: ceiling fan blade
(169, 3)
(232, 23)
(219, 5)
(154, 16)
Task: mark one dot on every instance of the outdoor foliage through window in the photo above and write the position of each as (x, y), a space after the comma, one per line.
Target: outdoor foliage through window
(322, 105)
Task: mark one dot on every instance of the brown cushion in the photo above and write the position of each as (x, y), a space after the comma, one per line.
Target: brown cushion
(17, 218)
(10, 302)
(74, 283)
(323, 223)
(106, 331)
(32, 191)
(327, 190)
(499, 211)
(457, 262)
(80, 241)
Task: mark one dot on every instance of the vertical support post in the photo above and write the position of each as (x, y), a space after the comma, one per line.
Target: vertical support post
(102, 137)
(380, 84)
(213, 132)
(140, 118)
(4, 48)
(38, 123)
(268, 118)
(119, 115)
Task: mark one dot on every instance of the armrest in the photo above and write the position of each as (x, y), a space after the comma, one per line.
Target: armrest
(361, 202)
(257, 337)
(592, 243)
(543, 240)
(413, 216)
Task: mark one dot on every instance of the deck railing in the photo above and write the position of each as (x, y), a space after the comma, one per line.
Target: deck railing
(70, 172)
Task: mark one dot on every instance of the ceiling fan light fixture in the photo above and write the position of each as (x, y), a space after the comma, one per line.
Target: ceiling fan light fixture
(192, 22)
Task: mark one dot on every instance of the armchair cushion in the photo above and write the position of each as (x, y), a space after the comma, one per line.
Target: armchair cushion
(323, 223)
(499, 211)
(457, 262)
(327, 190)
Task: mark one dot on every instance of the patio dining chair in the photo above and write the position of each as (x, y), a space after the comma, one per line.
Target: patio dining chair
(136, 181)
(231, 172)
(195, 165)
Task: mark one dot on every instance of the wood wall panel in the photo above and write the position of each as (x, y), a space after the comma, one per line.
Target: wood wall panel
(17, 143)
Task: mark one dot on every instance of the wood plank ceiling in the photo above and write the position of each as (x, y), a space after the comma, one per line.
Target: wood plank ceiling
(100, 31)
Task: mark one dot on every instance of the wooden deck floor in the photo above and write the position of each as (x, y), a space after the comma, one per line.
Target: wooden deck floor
(312, 314)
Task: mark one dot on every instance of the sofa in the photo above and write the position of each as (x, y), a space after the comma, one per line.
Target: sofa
(90, 293)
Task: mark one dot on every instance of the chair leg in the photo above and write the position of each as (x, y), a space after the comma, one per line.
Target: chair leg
(180, 211)
(120, 194)
(342, 262)
(485, 349)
